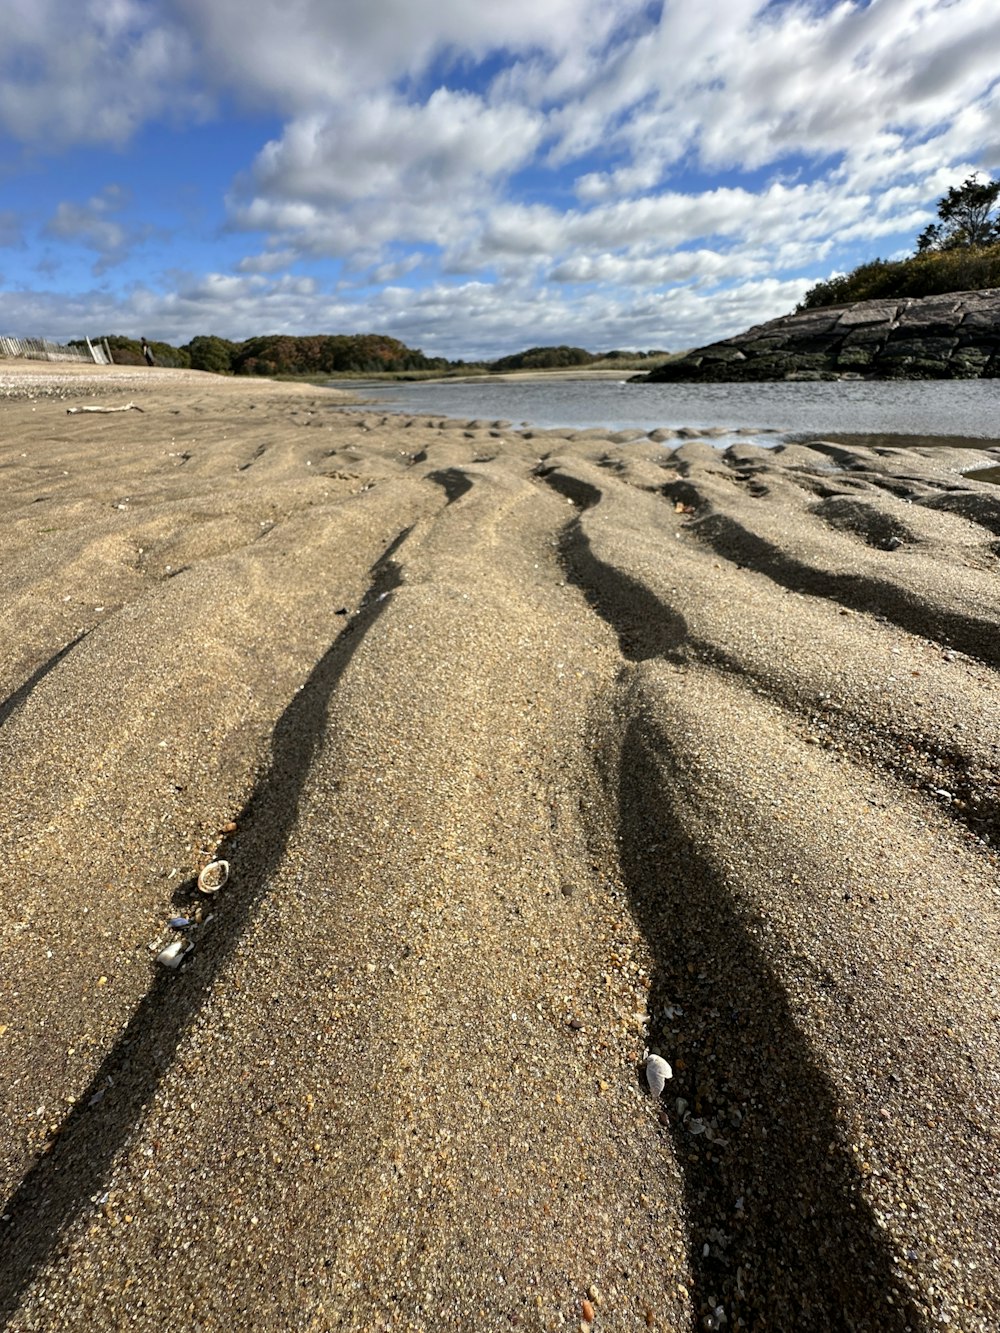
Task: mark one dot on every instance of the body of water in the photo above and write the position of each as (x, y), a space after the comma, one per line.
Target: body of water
(965, 410)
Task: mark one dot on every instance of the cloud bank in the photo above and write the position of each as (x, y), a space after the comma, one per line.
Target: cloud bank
(473, 179)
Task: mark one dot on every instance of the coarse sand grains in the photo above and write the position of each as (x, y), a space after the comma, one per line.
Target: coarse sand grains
(531, 755)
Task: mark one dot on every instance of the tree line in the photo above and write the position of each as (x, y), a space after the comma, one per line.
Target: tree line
(959, 252)
(342, 354)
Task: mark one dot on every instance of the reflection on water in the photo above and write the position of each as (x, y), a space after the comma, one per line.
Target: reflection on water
(929, 410)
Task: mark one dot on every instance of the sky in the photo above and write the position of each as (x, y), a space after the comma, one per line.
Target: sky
(474, 177)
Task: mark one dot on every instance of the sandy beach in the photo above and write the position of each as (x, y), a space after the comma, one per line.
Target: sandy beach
(531, 753)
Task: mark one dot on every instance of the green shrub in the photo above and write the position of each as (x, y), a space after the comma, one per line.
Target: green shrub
(929, 273)
(206, 352)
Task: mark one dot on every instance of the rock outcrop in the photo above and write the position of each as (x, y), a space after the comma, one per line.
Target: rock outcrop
(954, 336)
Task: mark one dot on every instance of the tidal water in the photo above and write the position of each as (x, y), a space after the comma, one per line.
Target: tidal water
(956, 411)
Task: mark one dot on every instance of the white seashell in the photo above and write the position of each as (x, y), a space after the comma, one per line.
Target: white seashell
(174, 954)
(657, 1073)
(213, 877)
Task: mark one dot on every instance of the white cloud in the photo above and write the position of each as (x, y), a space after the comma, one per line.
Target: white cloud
(319, 53)
(385, 170)
(742, 84)
(270, 261)
(93, 226)
(656, 227)
(701, 267)
(11, 229)
(90, 71)
(727, 84)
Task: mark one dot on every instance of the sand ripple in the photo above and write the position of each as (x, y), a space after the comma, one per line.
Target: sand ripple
(530, 754)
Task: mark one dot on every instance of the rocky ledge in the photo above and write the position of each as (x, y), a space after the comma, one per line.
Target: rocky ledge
(955, 336)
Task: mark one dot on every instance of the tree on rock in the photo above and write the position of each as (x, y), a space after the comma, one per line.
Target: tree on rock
(967, 217)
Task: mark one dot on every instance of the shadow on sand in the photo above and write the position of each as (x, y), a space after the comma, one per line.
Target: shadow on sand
(74, 1172)
(779, 1232)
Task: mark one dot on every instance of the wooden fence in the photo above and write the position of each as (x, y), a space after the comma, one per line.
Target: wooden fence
(40, 349)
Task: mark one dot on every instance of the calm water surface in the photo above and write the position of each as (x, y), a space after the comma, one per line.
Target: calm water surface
(930, 409)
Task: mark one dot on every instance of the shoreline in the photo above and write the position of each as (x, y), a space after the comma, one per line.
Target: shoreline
(24, 378)
(791, 412)
(530, 751)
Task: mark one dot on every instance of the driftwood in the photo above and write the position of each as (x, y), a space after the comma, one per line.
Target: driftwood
(133, 407)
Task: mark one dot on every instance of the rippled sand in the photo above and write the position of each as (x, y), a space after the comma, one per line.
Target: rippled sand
(530, 752)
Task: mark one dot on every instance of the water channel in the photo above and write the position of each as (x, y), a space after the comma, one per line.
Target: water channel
(888, 412)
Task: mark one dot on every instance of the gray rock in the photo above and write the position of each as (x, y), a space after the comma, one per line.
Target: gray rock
(954, 336)
(868, 312)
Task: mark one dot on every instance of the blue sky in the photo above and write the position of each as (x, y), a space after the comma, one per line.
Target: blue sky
(472, 176)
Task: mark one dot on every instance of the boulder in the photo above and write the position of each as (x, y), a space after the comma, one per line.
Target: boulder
(954, 336)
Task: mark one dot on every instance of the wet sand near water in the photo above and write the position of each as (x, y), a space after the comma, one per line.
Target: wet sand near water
(531, 753)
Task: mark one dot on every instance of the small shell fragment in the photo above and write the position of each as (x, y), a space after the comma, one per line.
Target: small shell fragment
(174, 954)
(180, 923)
(657, 1073)
(213, 877)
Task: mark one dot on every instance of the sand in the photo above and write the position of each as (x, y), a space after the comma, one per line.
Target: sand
(531, 753)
